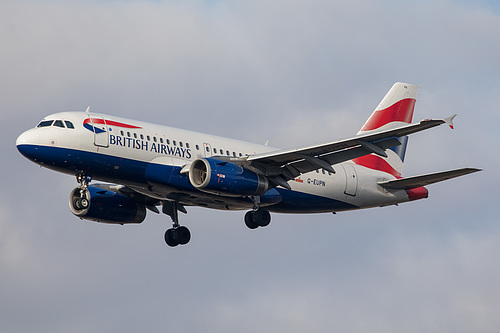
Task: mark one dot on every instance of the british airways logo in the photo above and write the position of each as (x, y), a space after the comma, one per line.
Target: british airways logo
(91, 125)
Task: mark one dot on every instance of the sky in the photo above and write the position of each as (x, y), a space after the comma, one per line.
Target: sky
(291, 72)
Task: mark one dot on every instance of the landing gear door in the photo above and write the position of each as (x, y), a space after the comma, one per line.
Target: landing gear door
(351, 184)
(101, 135)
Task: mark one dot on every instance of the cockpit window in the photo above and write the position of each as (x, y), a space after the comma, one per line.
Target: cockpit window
(59, 123)
(45, 123)
(56, 123)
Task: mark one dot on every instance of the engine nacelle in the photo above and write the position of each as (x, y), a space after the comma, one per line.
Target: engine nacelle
(106, 206)
(227, 179)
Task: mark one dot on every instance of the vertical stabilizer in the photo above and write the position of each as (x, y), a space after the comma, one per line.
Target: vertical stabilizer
(395, 109)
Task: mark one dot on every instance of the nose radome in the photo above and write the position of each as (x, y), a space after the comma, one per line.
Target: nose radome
(26, 143)
(30, 137)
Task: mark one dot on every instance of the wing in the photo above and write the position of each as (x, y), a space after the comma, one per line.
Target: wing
(283, 165)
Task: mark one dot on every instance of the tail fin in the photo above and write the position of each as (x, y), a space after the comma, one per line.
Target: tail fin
(395, 109)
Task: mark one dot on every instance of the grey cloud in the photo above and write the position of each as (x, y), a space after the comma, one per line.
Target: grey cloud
(291, 72)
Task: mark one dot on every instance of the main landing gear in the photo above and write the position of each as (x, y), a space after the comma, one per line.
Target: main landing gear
(82, 202)
(258, 217)
(180, 235)
(177, 235)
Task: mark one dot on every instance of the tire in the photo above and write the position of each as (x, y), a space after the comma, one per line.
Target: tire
(169, 238)
(182, 235)
(77, 204)
(84, 203)
(249, 220)
(262, 217)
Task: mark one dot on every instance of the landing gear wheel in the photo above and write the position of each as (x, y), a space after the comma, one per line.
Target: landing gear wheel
(81, 203)
(169, 238)
(258, 218)
(262, 217)
(177, 236)
(182, 235)
(84, 203)
(249, 220)
(76, 204)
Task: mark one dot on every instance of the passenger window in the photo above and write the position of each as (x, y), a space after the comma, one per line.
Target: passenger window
(161, 140)
(121, 133)
(148, 138)
(221, 152)
(180, 143)
(227, 152)
(45, 123)
(215, 150)
(187, 145)
(135, 135)
(69, 124)
(168, 141)
(142, 136)
(154, 138)
(128, 134)
(174, 142)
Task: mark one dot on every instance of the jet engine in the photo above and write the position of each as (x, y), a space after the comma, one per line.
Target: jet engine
(105, 206)
(226, 179)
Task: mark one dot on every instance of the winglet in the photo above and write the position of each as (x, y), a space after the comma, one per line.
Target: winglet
(88, 109)
(449, 120)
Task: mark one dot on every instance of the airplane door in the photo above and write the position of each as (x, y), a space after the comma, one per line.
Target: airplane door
(101, 135)
(351, 184)
(207, 149)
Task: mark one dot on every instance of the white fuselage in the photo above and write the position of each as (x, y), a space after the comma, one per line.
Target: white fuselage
(118, 150)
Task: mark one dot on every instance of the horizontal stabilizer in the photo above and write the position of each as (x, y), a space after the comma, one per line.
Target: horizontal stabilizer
(418, 181)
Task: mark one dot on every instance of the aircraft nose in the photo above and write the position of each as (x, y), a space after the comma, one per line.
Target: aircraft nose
(30, 137)
(27, 142)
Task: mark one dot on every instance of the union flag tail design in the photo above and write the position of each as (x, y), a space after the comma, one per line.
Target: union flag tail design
(395, 109)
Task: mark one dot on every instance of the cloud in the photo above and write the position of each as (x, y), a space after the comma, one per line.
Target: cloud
(291, 72)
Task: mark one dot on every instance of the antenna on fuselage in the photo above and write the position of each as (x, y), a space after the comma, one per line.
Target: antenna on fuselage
(88, 109)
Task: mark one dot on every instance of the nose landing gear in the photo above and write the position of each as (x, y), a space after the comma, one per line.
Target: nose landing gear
(82, 202)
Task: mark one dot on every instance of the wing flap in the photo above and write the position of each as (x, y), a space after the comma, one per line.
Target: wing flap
(418, 181)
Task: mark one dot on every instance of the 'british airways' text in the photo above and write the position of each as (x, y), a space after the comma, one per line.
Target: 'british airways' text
(149, 146)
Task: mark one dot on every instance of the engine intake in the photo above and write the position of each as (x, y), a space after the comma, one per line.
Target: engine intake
(106, 206)
(226, 179)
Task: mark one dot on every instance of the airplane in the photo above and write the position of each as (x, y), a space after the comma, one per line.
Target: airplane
(147, 166)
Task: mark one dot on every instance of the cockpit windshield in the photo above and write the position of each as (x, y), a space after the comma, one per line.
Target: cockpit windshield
(45, 123)
(56, 123)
